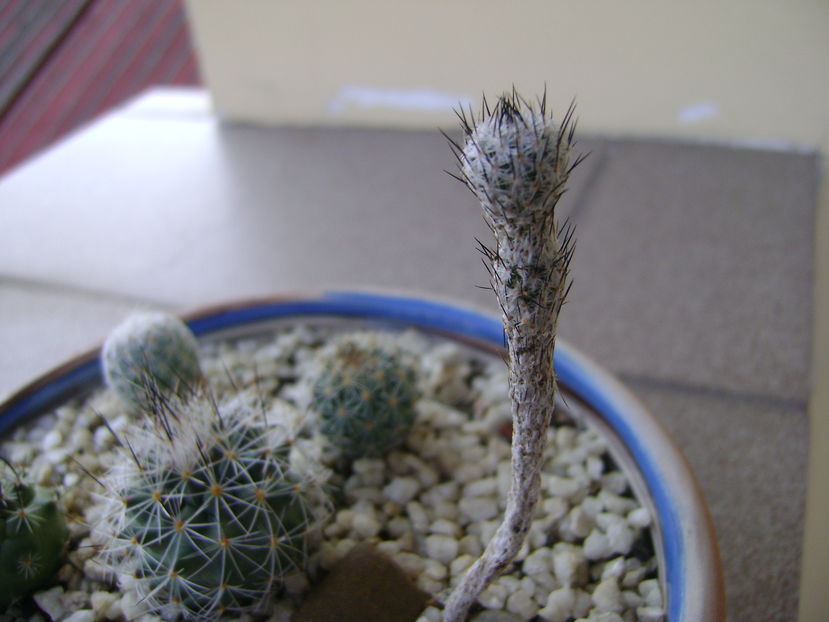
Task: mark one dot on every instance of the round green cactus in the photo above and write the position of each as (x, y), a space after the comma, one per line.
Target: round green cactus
(365, 398)
(33, 537)
(208, 518)
(151, 356)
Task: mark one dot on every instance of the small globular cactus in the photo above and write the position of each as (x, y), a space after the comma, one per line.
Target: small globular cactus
(365, 398)
(151, 356)
(208, 517)
(33, 536)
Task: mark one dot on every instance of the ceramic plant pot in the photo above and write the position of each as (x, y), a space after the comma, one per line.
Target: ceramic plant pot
(689, 567)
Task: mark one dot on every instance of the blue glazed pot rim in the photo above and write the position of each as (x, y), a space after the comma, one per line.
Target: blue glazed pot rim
(692, 571)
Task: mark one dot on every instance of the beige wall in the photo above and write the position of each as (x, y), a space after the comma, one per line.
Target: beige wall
(746, 70)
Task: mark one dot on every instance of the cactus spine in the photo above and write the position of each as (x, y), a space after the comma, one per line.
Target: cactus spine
(33, 536)
(208, 518)
(365, 398)
(151, 356)
(517, 161)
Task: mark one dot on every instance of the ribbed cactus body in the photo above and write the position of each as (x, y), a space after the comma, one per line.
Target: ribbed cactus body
(33, 535)
(211, 520)
(151, 356)
(365, 398)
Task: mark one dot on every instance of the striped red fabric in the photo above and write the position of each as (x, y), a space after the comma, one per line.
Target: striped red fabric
(110, 51)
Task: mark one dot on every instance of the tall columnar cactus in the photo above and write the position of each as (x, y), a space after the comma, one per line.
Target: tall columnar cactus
(151, 356)
(207, 515)
(365, 398)
(516, 160)
(33, 537)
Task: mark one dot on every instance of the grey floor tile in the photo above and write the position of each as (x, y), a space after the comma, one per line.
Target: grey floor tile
(751, 461)
(694, 263)
(42, 328)
(190, 211)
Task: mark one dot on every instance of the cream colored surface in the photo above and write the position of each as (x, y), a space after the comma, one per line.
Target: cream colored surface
(745, 71)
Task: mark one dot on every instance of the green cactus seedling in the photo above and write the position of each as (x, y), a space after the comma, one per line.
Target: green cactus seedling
(365, 398)
(33, 537)
(208, 518)
(151, 356)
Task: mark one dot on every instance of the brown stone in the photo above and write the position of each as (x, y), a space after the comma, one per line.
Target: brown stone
(364, 586)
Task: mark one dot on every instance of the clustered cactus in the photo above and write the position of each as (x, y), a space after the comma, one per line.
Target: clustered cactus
(150, 356)
(365, 398)
(33, 537)
(208, 516)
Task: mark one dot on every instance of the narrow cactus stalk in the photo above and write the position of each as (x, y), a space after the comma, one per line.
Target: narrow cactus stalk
(516, 160)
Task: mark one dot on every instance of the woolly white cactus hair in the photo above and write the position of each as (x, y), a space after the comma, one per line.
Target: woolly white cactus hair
(516, 160)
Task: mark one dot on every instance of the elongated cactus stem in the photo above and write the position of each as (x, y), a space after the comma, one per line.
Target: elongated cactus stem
(516, 160)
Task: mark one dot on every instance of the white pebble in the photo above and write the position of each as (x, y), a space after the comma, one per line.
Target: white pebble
(616, 504)
(103, 603)
(51, 440)
(545, 583)
(50, 602)
(615, 568)
(445, 528)
(596, 546)
(411, 563)
(470, 544)
(366, 526)
(399, 526)
(620, 538)
(578, 522)
(650, 614)
(595, 467)
(615, 482)
(631, 599)
(442, 548)
(430, 614)
(131, 605)
(649, 589)
(494, 596)
(446, 510)
(467, 472)
(82, 615)
(559, 607)
(435, 570)
(561, 486)
(401, 490)
(569, 564)
(639, 518)
(554, 508)
(522, 604)
(461, 564)
(591, 506)
(537, 562)
(607, 596)
(418, 516)
(478, 509)
(583, 604)
(487, 487)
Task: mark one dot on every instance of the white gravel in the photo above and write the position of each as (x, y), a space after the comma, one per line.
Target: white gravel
(431, 505)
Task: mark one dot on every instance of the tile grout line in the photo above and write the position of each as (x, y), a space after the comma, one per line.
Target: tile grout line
(744, 397)
(47, 287)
